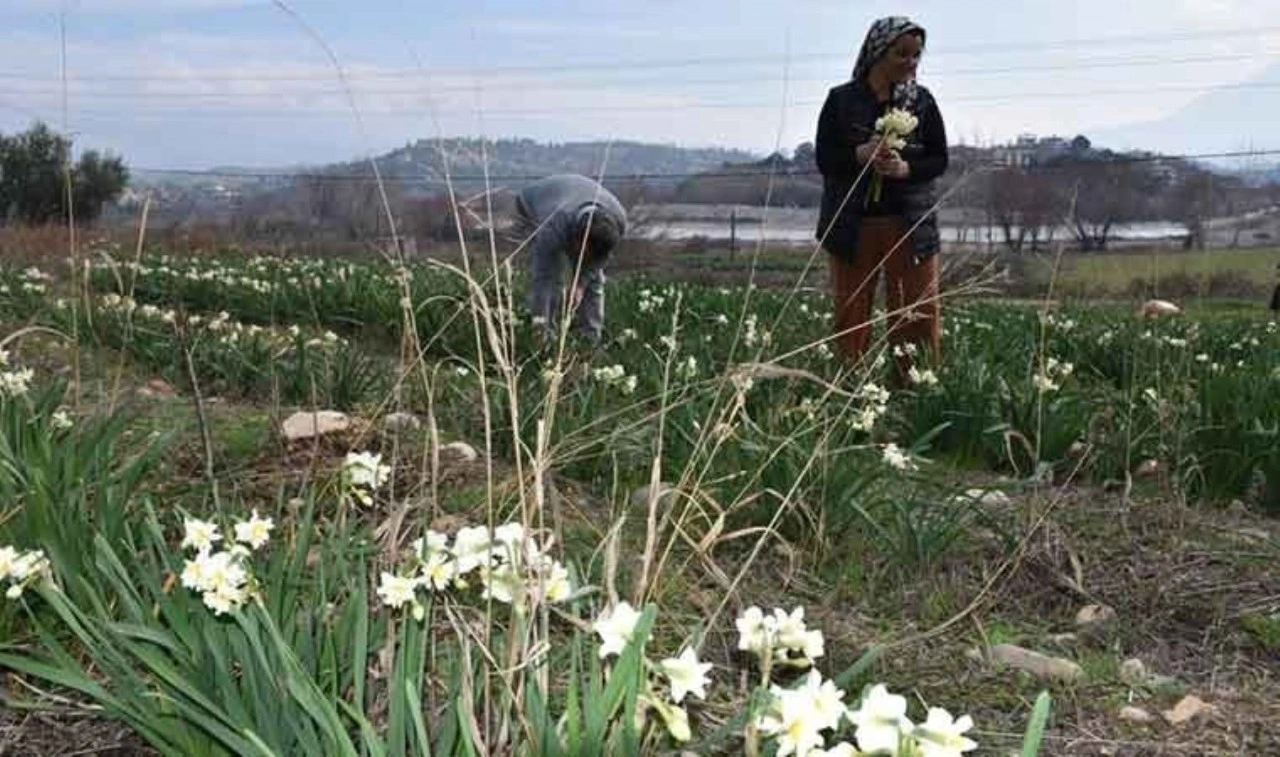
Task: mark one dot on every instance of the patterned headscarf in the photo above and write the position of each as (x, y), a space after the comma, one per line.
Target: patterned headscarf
(880, 37)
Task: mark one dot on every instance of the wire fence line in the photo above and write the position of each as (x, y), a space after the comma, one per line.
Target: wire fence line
(1063, 162)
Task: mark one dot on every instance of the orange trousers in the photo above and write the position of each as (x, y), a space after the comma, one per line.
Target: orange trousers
(911, 296)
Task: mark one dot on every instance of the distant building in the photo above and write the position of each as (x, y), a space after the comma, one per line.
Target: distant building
(1028, 150)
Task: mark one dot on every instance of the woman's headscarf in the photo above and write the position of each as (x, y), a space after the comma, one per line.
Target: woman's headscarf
(880, 37)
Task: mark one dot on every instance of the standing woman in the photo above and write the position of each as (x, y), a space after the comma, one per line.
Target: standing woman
(864, 232)
(1275, 296)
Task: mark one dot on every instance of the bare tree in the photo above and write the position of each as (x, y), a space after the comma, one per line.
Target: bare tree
(1022, 205)
(1192, 204)
(1107, 193)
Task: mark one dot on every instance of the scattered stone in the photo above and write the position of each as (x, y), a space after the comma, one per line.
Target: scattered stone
(1189, 708)
(1038, 665)
(1157, 308)
(1064, 639)
(1094, 617)
(1148, 468)
(400, 421)
(460, 451)
(308, 425)
(665, 495)
(1133, 672)
(1135, 715)
(157, 388)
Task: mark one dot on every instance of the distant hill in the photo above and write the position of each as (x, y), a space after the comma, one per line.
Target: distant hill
(513, 159)
(1229, 119)
(420, 166)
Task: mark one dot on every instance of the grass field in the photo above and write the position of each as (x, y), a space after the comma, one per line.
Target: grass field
(1243, 272)
(711, 457)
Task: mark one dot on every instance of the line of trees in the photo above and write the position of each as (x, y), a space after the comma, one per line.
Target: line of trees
(1090, 193)
(34, 170)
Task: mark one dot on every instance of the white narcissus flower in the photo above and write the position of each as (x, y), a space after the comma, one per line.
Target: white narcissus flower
(224, 598)
(501, 583)
(61, 420)
(1043, 383)
(897, 122)
(194, 574)
(609, 374)
(200, 535)
(924, 377)
(756, 631)
(221, 570)
(616, 628)
(557, 587)
(438, 571)
(793, 722)
(16, 383)
(814, 644)
(895, 457)
(678, 724)
(28, 565)
(686, 675)
(880, 721)
(511, 543)
(827, 700)
(8, 559)
(790, 628)
(675, 718)
(940, 735)
(365, 469)
(396, 591)
(255, 532)
(472, 548)
(433, 542)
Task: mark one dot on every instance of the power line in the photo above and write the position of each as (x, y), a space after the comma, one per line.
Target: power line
(297, 111)
(1127, 62)
(981, 48)
(312, 176)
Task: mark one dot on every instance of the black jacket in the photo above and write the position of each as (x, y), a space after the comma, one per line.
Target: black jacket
(848, 119)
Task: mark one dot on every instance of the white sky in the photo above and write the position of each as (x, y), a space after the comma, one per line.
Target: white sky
(197, 83)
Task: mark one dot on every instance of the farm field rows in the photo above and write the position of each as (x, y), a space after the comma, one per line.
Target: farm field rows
(1053, 459)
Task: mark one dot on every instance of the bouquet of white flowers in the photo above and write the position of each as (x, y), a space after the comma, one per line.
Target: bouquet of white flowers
(892, 128)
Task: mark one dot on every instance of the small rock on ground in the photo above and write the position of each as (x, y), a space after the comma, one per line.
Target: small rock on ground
(308, 425)
(1133, 672)
(1135, 715)
(1094, 616)
(400, 421)
(1039, 665)
(1188, 709)
(459, 451)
